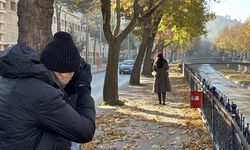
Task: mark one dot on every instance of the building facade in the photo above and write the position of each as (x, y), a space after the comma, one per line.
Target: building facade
(71, 23)
(8, 23)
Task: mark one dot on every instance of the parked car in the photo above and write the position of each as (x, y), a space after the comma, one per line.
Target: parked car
(126, 66)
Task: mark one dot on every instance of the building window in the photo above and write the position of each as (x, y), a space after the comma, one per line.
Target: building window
(6, 46)
(13, 6)
(62, 22)
(4, 5)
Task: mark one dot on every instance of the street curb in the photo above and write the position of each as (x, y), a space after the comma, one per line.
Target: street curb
(98, 71)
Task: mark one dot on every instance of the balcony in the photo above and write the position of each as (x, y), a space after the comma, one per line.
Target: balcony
(3, 1)
(2, 31)
(2, 11)
(2, 43)
(2, 22)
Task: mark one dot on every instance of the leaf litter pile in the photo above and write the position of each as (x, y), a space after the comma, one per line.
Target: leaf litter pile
(142, 124)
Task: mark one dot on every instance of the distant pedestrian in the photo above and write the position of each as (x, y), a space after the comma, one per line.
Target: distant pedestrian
(179, 68)
(161, 80)
(97, 60)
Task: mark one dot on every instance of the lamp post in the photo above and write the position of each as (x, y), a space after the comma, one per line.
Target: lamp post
(87, 38)
(100, 43)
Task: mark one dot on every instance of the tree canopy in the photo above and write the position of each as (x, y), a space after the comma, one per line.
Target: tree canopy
(234, 39)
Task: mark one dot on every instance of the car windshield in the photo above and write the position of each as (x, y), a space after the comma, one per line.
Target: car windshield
(127, 63)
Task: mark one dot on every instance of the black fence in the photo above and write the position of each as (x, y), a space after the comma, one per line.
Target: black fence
(226, 125)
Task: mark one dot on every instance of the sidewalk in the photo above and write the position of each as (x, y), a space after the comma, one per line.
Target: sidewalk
(95, 69)
(143, 124)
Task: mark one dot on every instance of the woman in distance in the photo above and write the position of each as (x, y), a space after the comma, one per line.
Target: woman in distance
(161, 80)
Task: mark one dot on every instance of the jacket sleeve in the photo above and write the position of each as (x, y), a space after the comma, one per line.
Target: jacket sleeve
(85, 104)
(58, 117)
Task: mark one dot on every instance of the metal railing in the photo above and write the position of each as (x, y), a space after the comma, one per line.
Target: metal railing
(224, 121)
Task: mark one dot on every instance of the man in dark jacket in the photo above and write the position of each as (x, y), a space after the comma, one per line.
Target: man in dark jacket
(34, 109)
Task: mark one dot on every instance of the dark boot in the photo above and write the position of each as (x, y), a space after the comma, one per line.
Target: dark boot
(164, 98)
(159, 97)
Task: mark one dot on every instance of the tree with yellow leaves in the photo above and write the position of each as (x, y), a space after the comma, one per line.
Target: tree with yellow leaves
(182, 20)
(135, 9)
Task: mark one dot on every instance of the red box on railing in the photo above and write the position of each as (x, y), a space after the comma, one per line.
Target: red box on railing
(196, 99)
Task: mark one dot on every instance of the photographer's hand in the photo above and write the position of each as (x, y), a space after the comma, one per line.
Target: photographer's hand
(81, 78)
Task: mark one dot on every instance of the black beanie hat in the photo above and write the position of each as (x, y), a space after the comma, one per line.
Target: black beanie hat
(61, 54)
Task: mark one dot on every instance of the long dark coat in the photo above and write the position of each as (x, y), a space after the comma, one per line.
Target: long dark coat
(33, 108)
(161, 80)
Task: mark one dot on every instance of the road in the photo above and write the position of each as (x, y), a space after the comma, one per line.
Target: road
(98, 82)
(97, 91)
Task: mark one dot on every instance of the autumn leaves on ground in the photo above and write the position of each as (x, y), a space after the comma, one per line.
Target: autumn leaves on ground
(143, 124)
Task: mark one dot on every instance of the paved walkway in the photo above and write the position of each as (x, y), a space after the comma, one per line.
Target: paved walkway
(143, 124)
(95, 69)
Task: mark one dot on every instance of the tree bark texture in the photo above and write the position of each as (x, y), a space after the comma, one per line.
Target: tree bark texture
(34, 23)
(136, 71)
(147, 66)
(172, 56)
(110, 89)
(118, 18)
(158, 45)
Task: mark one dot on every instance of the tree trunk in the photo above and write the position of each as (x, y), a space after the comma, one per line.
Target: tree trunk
(110, 89)
(172, 55)
(34, 23)
(136, 71)
(58, 17)
(159, 45)
(147, 66)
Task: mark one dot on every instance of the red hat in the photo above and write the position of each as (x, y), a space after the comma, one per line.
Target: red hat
(159, 54)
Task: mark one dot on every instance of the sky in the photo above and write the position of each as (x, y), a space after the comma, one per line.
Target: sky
(236, 9)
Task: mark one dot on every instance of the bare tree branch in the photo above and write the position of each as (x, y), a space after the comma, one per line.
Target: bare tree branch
(166, 45)
(132, 23)
(118, 18)
(106, 13)
(152, 10)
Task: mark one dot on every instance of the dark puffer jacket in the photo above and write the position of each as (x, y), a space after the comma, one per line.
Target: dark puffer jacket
(33, 108)
(78, 89)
